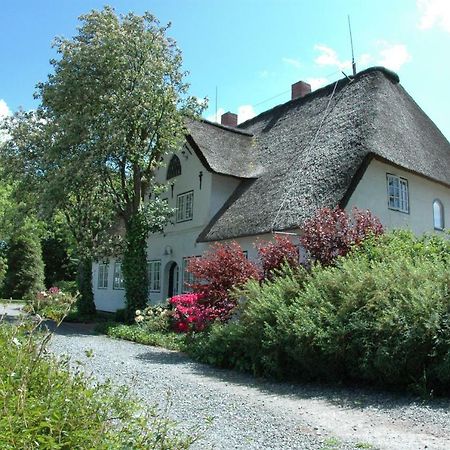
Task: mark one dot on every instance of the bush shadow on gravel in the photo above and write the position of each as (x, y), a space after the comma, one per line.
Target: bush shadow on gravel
(351, 397)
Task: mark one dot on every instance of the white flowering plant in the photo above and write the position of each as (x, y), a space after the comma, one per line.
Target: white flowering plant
(154, 318)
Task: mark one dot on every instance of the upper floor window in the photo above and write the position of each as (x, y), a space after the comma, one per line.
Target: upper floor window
(185, 206)
(154, 275)
(118, 276)
(102, 282)
(398, 196)
(174, 168)
(438, 215)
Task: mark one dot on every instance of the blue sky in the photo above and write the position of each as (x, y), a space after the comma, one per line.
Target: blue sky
(252, 50)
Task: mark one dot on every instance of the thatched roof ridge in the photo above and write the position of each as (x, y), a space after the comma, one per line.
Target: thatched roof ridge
(309, 158)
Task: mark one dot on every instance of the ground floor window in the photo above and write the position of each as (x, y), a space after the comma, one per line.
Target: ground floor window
(154, 275)
(188, 277)
(438, 215)
(118, 276)
(102, 282)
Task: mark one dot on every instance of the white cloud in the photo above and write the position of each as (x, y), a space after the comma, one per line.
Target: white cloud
(393, 56)
(365, 59)
(245, 112)
(292, 62)
(434, 13)
(263, 74)
(329, 57)
(317, 83)
(4, 109)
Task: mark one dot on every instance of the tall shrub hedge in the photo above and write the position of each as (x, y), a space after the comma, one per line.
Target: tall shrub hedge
(380, 315)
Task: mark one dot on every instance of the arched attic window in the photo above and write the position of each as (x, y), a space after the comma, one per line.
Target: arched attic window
(438, 215)
(174, 168)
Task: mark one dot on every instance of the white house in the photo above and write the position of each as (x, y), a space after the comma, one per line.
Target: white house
(360, 142)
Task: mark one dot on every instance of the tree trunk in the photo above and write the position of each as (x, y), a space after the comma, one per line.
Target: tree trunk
(134, 266)
(86, 305)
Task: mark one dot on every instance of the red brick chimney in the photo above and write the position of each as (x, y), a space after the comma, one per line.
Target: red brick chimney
(229, 119)
(300, 89)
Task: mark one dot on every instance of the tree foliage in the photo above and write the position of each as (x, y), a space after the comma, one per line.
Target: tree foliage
(115, 103)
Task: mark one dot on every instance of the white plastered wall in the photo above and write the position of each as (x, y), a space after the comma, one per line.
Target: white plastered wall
(371, 193)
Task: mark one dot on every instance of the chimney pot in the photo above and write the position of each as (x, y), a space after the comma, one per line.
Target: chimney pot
(229, 119)
(300, 89)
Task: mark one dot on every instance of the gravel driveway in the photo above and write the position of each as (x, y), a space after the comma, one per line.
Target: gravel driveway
(253, 414)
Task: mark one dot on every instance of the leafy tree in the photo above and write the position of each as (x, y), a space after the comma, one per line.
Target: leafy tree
(115, 104)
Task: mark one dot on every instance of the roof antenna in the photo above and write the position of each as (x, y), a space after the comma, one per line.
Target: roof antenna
(217, 118)
(351, 43)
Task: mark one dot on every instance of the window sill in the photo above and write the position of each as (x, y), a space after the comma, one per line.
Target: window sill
(398, 210)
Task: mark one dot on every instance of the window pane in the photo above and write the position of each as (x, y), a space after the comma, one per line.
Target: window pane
(438, 215)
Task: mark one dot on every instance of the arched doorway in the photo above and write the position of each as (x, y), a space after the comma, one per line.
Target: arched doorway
(173, 280)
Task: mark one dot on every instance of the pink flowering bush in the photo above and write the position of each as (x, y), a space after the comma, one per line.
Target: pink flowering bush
(191, 312)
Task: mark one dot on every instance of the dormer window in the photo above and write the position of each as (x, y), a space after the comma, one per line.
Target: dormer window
(174, 168)
(438, 215)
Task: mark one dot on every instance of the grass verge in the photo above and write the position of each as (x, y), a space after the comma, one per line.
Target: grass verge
(135, 333)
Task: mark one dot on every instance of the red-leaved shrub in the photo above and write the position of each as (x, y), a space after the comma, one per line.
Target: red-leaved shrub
(273, 254)
(190, 313)
(221, 268)
(332, 232)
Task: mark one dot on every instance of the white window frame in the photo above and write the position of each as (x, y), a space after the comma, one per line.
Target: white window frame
(439, 218)
(154, 275)
(187, 277)
(102, 279)
(185, 206)
(118, 276)
(397, 193)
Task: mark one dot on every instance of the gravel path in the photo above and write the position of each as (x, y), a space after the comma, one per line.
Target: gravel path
(251, 414)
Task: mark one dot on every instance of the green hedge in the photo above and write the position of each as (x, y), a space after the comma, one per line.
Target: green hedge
(380, 315)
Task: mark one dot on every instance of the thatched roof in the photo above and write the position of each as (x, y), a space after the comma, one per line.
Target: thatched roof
(224, 150)
(314, 157)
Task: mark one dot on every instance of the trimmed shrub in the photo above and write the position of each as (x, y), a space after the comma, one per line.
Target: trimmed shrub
(25, 273)
(332, 232)
(221, 268)
(274, 255)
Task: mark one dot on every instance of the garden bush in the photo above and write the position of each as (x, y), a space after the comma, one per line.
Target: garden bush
(274, 254)
(154, 318)
(220, 269)
(52, 304)
(381, 315)
(25, 268)
(331, 233)
(43, 405)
